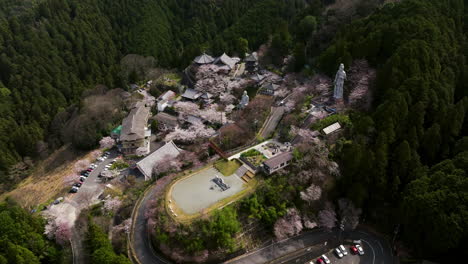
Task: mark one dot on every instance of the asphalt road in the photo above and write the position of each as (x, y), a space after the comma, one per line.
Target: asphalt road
(300, 249)
(140, 234)
(314, 244)
(91, 188)
(272, 121)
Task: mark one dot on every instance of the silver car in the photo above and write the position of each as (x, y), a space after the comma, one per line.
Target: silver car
(338, 253)
(325, 258)
(343, 250)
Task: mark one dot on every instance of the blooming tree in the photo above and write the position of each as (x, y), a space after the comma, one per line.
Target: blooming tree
(312, 193)
(327, 218)
(227, 98)
(112, 204)
(166, 164)
(96, 154)
(186, 107)
(70, 179)
(106, 142)
(62, 233)
(288, 225)
(308, 223)
(212, 115)
(124, 226)
(81, 165)
(196, 132)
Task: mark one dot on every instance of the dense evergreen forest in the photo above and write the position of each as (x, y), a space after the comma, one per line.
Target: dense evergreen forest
(22, 238)
(407, 159)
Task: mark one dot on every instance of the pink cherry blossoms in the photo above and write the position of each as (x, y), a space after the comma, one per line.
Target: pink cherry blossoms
(289, 225)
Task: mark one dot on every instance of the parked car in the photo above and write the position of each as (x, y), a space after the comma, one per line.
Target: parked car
(89, 170)
(58, 200)
(360, 249)
(107, 153)
(74, 189)
(82, 179)
(319, 261)
(338, 253)
(77, 184)
(343, 250)
(325, 258)
(108, 166)
(84, 172)
(354, 250)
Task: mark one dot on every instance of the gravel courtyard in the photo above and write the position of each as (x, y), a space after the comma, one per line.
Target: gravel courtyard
(194, 193)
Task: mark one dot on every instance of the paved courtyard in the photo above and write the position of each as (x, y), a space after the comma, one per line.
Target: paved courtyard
(197, 192)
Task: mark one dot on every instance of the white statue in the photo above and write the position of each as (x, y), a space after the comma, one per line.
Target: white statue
(244, 100)
(340, 77)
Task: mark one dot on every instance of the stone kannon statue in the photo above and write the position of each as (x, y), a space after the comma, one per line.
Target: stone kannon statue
(244, 100)
(340, 77)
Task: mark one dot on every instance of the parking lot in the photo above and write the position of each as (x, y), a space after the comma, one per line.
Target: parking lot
(198, 191)
(349, 259)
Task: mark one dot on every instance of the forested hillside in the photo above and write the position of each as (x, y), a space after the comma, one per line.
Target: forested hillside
(22, 238)
(53, 50)
(407, 160)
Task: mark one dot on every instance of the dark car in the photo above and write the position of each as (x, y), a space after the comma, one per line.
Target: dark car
(89, 170)
(82, 179)
(77, 184)
(74, 190)
(84, 172)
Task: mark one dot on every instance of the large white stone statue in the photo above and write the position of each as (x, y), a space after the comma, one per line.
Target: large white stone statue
(340, 77)
(244, 100)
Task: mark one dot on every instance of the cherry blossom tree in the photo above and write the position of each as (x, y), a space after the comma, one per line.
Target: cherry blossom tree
(186, 107)
(197, 131)
(327, 217)
(112, 204)
(70, 179)
(167, 164)
(288, 225)
(81, 165)
(62, 233)
(227, 98)
(106, 142)
(124, 226)
(96, 154)
(212, 115)
(312, 193)
(308, 223)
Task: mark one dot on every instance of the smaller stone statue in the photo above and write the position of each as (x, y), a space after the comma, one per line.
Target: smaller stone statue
(244, 100)
(340, 77)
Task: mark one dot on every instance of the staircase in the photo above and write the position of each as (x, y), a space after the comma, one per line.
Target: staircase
(245, 174)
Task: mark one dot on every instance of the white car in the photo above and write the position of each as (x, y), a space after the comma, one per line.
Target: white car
(338, 253)
(343, 250)
(325, 258)
(360, 249)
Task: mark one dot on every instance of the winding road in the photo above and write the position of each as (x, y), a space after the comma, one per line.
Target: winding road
(298, 249)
